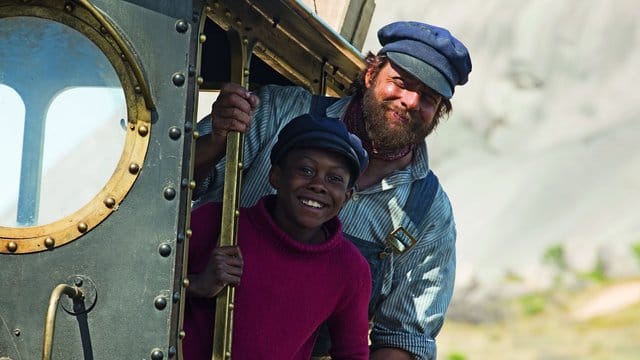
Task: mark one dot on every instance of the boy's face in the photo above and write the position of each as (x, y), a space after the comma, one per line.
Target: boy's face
(312, 186)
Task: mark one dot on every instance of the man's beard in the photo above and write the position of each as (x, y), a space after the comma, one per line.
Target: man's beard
(390, 139)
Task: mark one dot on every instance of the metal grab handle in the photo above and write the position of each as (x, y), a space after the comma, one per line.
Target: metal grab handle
(49, 323)
(241, 50)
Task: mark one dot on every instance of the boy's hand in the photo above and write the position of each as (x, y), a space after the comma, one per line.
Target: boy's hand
(224, 268)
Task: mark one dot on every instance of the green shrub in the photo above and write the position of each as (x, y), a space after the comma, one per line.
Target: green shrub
(456, 356)
(554, 255)
(635, 248)
(533, 304)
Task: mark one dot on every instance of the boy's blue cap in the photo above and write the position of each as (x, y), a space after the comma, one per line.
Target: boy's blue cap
(324, 133)
(428, 52)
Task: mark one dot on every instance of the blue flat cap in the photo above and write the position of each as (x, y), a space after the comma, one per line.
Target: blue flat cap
(428, 52)
(323, 133)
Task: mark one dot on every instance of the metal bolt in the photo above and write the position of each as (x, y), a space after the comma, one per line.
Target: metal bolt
(165, 250)
(174, 133)
(178, 79)
(182, 26)
(169, 193)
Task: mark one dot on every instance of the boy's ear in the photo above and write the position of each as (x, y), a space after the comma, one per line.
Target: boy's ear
(274, 177)
(348, 194)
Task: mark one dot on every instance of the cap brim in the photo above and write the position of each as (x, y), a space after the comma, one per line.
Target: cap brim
(424, 72)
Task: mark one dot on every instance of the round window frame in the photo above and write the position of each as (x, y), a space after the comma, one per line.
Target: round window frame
(86, 19)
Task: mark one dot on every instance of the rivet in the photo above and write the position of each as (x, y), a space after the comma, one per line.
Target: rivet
(185, 282)
(68, 7)
(103, 29)
(160, 302)
(240, 165)
(238, 22)
(176, 296)
(196, 135)
(49, 242)
(172, 351)
(156, 354)
(236, 213)
(134, 168)
(110, 202)
(192, 184)
(123, 57)
(202, 38)
(143, 130)
(12, 246)
(181, 334)
(178, 79)
(200, 80)
(188, 126)
(164, 250)
(174, 133)
(83, 227)
(246, 72)
(182, 26)
(189, 233)
(137, 89)
(16, 332)
(169, 193)
(180, 238)
(245, 40)
(227, 13)
(184, 183)
(192, 70)
(78, 282)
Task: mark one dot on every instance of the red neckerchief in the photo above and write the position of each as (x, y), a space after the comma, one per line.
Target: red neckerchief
(355, 123)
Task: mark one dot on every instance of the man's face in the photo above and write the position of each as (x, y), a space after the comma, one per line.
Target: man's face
(398, 109)
(312, 186)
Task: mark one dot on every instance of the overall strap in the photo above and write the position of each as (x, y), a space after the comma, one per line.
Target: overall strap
(421, 197)
(319, 104)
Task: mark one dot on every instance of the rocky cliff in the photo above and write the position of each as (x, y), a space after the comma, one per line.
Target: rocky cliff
(541, 150)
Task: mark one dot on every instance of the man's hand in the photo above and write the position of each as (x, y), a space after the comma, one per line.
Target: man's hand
(224, 268)
(390, 354)
(232, 110)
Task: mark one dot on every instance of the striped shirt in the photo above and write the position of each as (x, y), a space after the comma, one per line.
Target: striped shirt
(419, 288)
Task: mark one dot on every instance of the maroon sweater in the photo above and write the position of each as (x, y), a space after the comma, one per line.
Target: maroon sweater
(287, 290)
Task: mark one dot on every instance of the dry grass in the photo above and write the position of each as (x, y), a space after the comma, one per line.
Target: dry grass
(541, 327)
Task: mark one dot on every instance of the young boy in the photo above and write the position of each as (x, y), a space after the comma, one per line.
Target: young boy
(296, 270)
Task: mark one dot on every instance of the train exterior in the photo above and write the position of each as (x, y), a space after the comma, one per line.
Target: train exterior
(99, 99)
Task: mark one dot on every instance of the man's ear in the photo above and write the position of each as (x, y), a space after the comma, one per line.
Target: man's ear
(368, 76)
(274, 177)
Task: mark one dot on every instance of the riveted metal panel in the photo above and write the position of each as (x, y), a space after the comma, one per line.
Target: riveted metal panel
(129, 265)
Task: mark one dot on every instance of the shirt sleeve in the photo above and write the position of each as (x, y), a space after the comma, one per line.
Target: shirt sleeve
(412, 314)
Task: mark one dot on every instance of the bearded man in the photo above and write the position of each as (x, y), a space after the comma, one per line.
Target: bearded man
(399, 216)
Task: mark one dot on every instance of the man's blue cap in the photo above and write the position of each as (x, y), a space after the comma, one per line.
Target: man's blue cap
(323, 133)
(428, 52)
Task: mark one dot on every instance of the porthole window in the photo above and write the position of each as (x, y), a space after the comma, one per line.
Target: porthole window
(77, 124)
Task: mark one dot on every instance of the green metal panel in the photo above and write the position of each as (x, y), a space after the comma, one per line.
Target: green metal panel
(130, 265)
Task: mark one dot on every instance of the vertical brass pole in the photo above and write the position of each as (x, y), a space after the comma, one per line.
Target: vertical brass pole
(241, 49)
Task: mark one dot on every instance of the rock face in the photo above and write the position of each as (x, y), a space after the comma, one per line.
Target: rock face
(541, 150)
